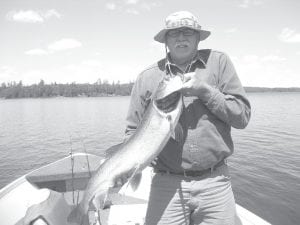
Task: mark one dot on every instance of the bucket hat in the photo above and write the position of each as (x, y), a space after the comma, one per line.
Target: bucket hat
(181, 19)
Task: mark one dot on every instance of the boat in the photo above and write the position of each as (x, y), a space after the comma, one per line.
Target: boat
(46, 195)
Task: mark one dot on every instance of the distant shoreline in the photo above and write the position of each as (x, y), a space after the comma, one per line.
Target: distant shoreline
(100, 89)
(112, 96)
(247, 89)
(276, 89)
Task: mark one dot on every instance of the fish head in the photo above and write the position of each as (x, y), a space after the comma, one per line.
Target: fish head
(168, 85)
(168, 97)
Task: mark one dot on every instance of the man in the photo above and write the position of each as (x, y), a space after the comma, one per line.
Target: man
(191, 184)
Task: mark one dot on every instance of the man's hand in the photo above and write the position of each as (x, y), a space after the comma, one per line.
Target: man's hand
(122, 180)
(195, 86)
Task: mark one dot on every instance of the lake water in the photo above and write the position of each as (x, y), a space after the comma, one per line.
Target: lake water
(265, 167)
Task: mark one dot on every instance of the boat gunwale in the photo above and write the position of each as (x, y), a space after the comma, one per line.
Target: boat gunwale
(11, 186)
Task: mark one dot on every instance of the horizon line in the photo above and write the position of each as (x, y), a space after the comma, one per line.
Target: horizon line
(112, 82)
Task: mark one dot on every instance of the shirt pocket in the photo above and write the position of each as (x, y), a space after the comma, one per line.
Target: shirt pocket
(194, 111)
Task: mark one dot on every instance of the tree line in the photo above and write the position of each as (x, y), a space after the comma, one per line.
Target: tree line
(42, 90)
(99, 88)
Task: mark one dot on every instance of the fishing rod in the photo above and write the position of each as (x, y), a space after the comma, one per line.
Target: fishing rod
(90, 175)
(87, 157)
(72, 169)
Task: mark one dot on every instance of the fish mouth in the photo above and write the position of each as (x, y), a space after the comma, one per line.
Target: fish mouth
(169, 102)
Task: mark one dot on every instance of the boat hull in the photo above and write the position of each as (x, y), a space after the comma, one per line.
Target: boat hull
(128, 205)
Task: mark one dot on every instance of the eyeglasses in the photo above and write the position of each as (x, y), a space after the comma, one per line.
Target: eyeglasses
(185, 32)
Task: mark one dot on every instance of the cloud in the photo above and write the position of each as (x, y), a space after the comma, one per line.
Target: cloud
(36, 51)
(111, 6)
(52, 13)
(34, 76)
(30, 16)
(249, 3)
(265, 71)
(90, 70)
(133, 11)
(134, 7)
(85, 71)
(272, 58)
(231, 30)
(8, 74)
(288, 35)
(64, 44)
(132, 2)
(150, 5)
(60, 45)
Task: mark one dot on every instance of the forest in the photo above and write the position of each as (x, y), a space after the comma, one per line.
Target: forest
(98, 89)
(42, 90)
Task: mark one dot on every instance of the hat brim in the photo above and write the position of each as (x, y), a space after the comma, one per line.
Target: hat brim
(160, 37)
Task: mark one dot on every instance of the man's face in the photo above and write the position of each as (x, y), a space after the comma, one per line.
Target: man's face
(182, 44)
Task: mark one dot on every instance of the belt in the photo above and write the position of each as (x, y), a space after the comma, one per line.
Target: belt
(192, 173)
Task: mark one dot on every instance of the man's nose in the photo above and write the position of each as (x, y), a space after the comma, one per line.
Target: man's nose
(181, 36)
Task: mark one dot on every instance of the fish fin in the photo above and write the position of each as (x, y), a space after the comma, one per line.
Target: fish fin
(173, 134)
(135, 181)
(112, 150)
(172, 129)
(101, 200)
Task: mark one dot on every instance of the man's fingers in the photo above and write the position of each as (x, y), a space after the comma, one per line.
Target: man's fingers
(188, 76)
(119, 182)
(186, 85)
(122, 180)
(186, 92)
(186, 89)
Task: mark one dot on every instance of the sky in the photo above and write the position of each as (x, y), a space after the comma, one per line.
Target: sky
(82, 41)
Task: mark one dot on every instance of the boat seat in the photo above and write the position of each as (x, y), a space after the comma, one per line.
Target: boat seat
(61, 177)
(53, 211)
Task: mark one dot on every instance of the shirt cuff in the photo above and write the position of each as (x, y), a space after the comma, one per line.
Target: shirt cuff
(208, 95)
(213, 98)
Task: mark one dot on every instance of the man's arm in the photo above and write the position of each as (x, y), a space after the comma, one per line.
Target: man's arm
(133, 115)
(228, 102)
(137, 106)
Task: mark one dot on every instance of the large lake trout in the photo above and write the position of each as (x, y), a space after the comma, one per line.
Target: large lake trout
(154, 131)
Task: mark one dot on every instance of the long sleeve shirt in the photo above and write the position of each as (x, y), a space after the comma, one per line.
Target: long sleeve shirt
(205, 124)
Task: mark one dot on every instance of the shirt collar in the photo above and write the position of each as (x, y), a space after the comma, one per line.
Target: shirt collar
(198, 59)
